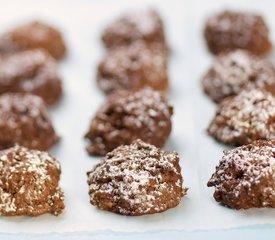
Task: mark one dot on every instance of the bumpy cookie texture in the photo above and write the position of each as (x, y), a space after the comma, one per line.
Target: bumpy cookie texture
(29, 183)
(230, 30)
(32, 71)
(133, 67)
(31, 36)
(245, 177)
(137, 179)
(238, 70)
(145, 25)
(127, 116)
(244, 118)
(24, 120)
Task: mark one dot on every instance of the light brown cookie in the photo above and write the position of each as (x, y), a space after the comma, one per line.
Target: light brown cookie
(29, 183)
(245, 177)
(145, 25)
(229, 30)
(33, 35)
(235, 71)
(24, 119)
(244, 118)
(133, 67)
(127, 116)
(32, 71)
(137, 179)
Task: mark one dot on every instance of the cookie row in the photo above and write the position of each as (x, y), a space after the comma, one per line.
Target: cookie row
(135, 179)
(28, 55)
(29, 82)
(242, 82)
(137, 53)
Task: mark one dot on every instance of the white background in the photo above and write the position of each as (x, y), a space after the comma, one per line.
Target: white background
(82, 23)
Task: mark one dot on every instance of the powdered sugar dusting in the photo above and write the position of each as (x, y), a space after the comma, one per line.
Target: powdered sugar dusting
(143, 106)
(239, 67)
(249, 115)
(130, 115)
(133, 67)
(143, 21)
(250, 170)
(24, 119)
(238, 70)
(229, 30)
(28, 69)
(135, 176)
(227, 20)
(34, 170)
(135, 25)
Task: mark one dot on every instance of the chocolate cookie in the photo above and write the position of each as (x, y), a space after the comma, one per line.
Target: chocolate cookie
(244, 118)
(24, 120)
(133, 67)
(235, 71)
(143, 25)
(29, 183)
(229, 30)
(32, 71)
(31, 36)
(245, 177)
(137, 179)
(127, 116)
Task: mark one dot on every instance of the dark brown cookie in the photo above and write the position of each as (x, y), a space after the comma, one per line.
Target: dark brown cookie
(229, 30)
(245, 177)
(31, 36)
(29, 183)
(127, 116)
(143, 25)
(24, 120)
(137, 179)
(244, 118)
(133, 67)
(235, 71)
(32, 71)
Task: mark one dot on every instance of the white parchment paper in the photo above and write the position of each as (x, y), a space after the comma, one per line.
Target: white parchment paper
(82, 22)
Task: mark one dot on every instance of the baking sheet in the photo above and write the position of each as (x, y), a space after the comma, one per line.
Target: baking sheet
(82, 22)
